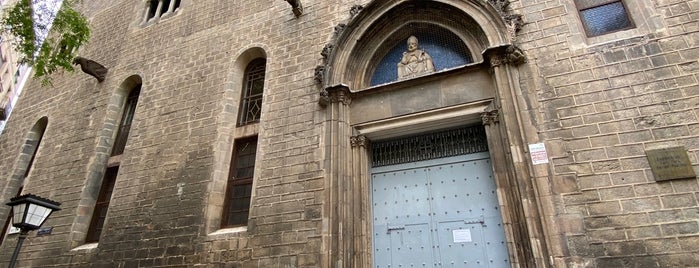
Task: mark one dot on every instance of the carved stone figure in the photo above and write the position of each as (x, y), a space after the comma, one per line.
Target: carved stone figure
(415, 61)
(92, 68)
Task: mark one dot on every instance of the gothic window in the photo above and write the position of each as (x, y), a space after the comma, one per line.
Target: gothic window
(159, 8)
(253, 86)
(445, 49)
(603, 16)
(239, 185)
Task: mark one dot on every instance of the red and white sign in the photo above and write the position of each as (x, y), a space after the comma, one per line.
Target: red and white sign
(538, 153)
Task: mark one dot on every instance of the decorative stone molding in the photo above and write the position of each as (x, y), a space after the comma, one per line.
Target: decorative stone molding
(296, 7)
(358, 141)
(319, 73)
(513, 22)
(335, 94)
(491, 115)
(355, 10)
(328, 48)
(506, 54)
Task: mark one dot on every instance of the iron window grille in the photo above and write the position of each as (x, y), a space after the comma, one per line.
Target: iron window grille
(453, 142)
(239, 186)
(603, 16)
(253, 87)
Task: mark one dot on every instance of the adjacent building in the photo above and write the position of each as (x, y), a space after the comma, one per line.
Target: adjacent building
(308, 133)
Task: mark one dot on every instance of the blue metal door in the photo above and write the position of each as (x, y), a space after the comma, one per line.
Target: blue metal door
(437, 213)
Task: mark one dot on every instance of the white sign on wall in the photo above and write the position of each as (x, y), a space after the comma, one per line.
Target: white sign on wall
(538, 153)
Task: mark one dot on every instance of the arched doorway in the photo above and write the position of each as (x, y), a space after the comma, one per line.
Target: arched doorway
(368, 104)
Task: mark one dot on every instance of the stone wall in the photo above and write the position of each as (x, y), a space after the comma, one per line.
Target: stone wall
(604, 101)
(597, 103)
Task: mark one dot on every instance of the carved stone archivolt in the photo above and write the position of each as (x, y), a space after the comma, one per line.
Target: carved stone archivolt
(513, 22)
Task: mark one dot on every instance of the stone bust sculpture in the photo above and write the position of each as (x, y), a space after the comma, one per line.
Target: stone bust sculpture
(415, 61)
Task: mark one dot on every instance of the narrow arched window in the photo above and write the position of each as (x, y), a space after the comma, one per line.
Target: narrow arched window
(29, 150)
(99, 215)
(253, 87)
(126, 119)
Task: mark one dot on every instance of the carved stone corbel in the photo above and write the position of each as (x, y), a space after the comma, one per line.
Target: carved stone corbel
(507, 54)
(296, 7)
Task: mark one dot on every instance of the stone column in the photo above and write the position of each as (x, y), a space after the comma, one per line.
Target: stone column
(359, 197)
(337, 238)
(513, 174)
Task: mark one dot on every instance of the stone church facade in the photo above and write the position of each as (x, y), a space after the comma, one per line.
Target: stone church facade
(446, 133)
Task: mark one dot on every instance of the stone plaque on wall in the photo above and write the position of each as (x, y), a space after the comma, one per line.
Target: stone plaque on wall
(670, 164)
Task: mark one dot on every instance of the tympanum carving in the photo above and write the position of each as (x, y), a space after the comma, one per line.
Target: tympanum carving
(415, 61)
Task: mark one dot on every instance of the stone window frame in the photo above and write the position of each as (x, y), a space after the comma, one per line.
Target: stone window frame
(643, 15)
(235, 183)
(580, 7)
(25, 163)
(224, 148)
(153, 10)
(108, 180)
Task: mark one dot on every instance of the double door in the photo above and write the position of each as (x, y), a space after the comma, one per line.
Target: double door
(437, 213)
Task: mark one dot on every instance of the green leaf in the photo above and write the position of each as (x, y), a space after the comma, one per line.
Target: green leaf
(69, 32)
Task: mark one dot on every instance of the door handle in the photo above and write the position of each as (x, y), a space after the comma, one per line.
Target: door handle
(480, 220)
(390, 228)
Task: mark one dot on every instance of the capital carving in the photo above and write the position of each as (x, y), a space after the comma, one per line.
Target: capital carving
(335, 94)
(490, 116)
(360, 141)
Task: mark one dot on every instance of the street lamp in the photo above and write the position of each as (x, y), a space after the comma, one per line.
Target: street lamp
(29, 213)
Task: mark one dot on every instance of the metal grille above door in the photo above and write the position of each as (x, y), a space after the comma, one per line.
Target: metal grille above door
(453, 142)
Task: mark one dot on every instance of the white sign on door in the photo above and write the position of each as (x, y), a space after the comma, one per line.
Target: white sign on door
(462, 236)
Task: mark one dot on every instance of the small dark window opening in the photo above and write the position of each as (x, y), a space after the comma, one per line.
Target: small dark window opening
(100, 213)
(126, 120)
(239, 186)
(603, 16)
(153, 9)
(253, 86)
(177, 5)
(164, 8)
